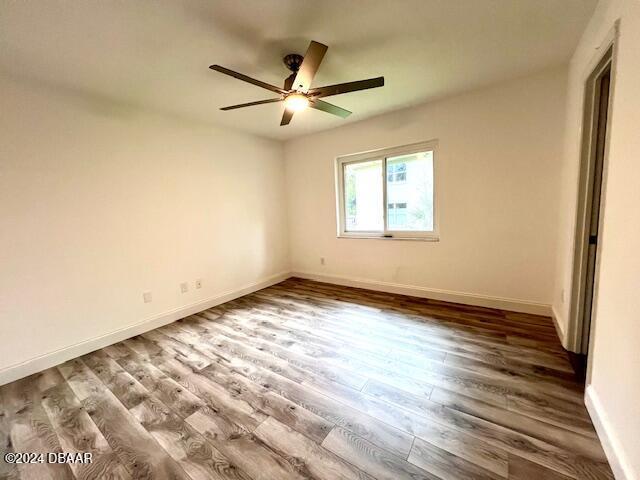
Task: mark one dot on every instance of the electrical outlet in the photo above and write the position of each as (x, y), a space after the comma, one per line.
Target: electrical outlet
(146, 296)
(562, 296)
(199, 283)
(321, 260)
(184, 287)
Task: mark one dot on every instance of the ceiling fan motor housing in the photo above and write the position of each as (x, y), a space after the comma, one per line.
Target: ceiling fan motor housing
(293, 61)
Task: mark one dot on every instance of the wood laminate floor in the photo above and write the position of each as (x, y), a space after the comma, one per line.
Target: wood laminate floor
(305, 380)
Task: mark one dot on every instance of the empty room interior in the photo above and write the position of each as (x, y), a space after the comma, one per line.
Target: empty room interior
(330, 240)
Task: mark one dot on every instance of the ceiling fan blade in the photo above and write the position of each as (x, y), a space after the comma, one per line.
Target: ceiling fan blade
(289, 81)
(346, 87)
(251, 104)
(286, 117)
(329, 108)
(313, 57)
(247, 79)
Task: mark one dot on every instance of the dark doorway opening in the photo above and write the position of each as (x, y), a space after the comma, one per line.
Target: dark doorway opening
(588, 233)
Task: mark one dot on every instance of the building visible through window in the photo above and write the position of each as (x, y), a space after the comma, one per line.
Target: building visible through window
(396, 173)
(397, 215)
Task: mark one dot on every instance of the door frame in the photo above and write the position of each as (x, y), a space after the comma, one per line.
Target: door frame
(605, 58)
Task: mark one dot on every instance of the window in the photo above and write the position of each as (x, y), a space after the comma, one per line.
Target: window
(387, 193)
(363, 194)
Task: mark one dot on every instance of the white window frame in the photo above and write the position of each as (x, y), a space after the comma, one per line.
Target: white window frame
(383, 154)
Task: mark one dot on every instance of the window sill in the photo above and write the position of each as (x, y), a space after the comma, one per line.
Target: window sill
(431, 238)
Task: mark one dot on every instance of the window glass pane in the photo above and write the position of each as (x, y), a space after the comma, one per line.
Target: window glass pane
(410, 192)
(363, 196)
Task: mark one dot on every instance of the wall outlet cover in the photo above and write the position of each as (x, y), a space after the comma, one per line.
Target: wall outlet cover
(184, 287)
(146, 296)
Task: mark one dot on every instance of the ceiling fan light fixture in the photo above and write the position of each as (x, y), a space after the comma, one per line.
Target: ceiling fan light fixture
(296, 102)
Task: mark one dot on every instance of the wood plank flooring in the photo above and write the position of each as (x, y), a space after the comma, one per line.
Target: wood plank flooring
(305, 380)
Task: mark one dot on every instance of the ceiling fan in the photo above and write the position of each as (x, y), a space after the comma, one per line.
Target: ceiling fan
(297, 93)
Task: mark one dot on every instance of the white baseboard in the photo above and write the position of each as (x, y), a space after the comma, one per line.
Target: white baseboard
(42, 362)
(477, 300)
(618, 461)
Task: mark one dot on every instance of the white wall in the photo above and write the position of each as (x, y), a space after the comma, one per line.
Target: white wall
(614, 392)
(497, 177)
(99, 203)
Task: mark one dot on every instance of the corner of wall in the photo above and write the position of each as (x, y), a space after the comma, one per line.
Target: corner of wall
(559, 323)
(285, 168)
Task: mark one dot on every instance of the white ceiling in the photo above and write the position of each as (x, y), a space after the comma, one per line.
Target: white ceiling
(155, 53)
